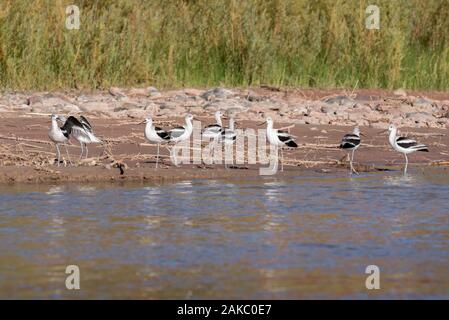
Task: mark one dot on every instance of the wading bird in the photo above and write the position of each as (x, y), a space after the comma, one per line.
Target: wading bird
(279, 139)
(155, 134)
(404, 145)
(351, 142)
(213, 131)
(59, 135)
(179, 134)
(228, 137)
(82, 131)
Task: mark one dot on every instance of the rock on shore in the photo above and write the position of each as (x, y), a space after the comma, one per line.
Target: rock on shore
(375, 108)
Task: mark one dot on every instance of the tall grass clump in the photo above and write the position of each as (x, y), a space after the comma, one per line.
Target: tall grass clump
(171, 43)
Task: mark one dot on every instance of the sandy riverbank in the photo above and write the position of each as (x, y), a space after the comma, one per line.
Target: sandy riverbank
(26, 154)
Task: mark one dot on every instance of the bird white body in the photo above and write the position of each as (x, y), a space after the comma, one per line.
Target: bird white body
(182, 133)
(404, 145)
(55, 134)
(351, 142)
(58, 136)
(156, 135)
(228, 135)
(213, 131)
(394, 143)
(279, 139)
(84, 136)
(81, 130)
(151, 134)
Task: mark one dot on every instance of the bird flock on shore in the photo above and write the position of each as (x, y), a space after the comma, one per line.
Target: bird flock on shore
(81, 130)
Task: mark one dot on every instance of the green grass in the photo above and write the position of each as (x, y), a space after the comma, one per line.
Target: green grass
(168, 43)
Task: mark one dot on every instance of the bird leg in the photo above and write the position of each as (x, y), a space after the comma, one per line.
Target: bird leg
(351, 162)
(406, 164)
(174, 151)
(157, 157)
(67, 151)
(282, 160)
(87, 151)
(82, 150)
(58, 153)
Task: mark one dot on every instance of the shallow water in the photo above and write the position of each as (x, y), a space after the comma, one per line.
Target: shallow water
(310, 236)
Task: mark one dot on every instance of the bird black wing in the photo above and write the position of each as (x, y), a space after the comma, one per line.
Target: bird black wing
(350, 141)
(408, 143)
(162, 133)
(70, 123)
(286, 138)
(86, 124)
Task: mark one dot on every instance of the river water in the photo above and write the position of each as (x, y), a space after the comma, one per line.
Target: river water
(308, 236)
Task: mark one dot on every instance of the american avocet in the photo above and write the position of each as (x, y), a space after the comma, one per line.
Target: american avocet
(181, 133)
(279, 138)
(155, 134)
(228, 136)
(351, 142)
(82, 131)
(404, 145)
(213, 131)
(59, 135)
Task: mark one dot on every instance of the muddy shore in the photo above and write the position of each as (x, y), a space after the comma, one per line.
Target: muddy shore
(27, 155)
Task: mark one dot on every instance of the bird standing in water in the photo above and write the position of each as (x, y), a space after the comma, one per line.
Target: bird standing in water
(351, 142)
(404, 145)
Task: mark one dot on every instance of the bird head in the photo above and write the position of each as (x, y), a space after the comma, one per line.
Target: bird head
(147, 120)
(268, 120)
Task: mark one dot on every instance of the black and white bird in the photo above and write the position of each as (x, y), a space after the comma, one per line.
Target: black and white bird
(228, 137)
(279, 138)
(59, 135)
(82, 131)
(156, 135)
(179, 134)
(350, 143)
(404, 145)
(213, 130)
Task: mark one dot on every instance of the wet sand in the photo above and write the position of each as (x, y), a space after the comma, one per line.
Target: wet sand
(27, 155)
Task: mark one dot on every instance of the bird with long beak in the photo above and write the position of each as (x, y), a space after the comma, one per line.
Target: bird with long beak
(351, 142)
(279, 138)
(156, 135)
(403, 145)
(59, 135)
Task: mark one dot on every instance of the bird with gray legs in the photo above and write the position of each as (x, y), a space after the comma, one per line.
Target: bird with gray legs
(156, 135)
(404, 145)
(350, 143)
(213, 131)
(279, 139)
(179, 134)
(59, 135)
(228, 137)
(82, 131)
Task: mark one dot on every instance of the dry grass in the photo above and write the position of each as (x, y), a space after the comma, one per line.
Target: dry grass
(172, 43)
